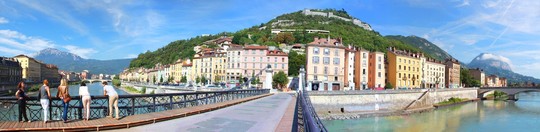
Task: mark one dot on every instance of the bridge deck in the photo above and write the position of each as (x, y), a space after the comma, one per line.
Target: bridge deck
(273, 113)
(125, 122)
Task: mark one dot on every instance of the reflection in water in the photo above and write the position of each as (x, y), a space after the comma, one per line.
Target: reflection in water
(475, 116)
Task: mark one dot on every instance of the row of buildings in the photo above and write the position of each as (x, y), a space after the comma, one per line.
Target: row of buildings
(28, 69)
(332, 66)
(227, 63)
(488, 81)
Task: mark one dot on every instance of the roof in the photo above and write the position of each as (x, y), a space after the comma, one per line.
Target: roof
(323, 42)
(256, 47)
(276, 53)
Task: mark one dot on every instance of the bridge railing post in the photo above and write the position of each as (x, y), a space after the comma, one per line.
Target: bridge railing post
(132, 105)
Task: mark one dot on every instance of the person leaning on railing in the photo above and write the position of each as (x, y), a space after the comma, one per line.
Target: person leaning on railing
(63, 94)
(85, 96)
(113, 99)
(44, 97)
(21, 100)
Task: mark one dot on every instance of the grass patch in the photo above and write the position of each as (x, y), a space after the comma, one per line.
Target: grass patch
(116, 82)
(497, 95)
(35, 87)
(452, 101)
(132, 90)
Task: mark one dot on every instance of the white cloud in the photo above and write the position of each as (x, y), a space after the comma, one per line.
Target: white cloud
(3, 20)
(464, 3)
(83, 52)
(13, 43)
(488, 56)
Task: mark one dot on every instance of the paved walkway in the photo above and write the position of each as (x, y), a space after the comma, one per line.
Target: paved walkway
(126, 122)
(261, 115)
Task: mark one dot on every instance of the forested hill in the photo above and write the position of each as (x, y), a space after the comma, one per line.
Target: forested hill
(261, 34)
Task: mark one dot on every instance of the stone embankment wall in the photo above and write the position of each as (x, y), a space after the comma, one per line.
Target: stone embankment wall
(385, 100)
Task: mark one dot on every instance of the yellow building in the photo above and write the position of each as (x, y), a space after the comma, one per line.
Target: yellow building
(196, 67)
(176, 71)
(404, 69)
(31, 68)
(218, 67)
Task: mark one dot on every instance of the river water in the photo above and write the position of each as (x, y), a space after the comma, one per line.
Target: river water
(95, 89)
(522, 115)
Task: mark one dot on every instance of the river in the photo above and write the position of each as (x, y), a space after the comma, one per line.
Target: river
(94, 89)
(488, 115)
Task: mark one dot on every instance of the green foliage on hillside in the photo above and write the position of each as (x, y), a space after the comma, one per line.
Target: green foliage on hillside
(427, 47)
(350, 33)
(180, 49)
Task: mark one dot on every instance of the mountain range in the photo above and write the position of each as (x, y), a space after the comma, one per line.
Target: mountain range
(71, 62)
(342, 26)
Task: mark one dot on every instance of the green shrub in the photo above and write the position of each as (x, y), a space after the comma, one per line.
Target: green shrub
(116, 82)
(34, 88)
(152, 92)
(143, 90)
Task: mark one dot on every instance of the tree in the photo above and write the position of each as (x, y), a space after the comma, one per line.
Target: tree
(184, 79)
(217, 78)
(198, 79)
(388, 86)
(295, 61)
(171, 79)
(203, 80)
(154, 80)
(241, 80)
(284, 38)
(280, 80)
(160, 79)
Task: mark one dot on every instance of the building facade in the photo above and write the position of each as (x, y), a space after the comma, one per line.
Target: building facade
(254, 60)
(478, 74)
(376, 78)
(433, 73)
(219, 63)
(50, 72)
(452, 73)
(234, 59)
(403, 68)
(349, 84)
(10, 71)
(361, 74)
(31, 68)
(325, 64)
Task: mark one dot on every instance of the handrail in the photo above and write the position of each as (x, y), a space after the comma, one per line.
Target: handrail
(128, 104)
(311, 121)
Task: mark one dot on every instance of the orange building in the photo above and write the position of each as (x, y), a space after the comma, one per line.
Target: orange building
(376, 78)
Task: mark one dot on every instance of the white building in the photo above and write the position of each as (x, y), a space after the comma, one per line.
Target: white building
(432, 73)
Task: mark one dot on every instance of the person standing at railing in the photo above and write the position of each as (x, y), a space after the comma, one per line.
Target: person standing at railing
(85, 96)
(63, 94)
(113, 99)
(21, 100)
(44, 97)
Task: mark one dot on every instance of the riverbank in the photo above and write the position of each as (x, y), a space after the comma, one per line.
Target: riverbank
(385, 113)
(127, 90)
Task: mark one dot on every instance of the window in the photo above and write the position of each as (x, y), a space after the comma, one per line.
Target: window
(399, 75)
(253, 52)
(364, 55)
(262, 52)
(326, 51)
(336, 71)
(337, 52)
(399, 67)
(314, 77)
(283, 66)
(325, 70)
(253, 58)
(282, 59)
(275, 59)
(336, 61)
(315, 69)
(275, 65)
(379, 74)
(379, 66)
(379, 59)
(326, 60)
(364, 71)
(316, 51)
(315, 59)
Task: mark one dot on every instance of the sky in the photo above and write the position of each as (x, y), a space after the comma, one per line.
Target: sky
(103, 30)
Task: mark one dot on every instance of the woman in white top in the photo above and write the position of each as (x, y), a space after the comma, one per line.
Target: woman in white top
(85, 96)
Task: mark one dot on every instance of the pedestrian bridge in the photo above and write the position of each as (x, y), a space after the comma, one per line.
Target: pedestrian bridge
(134, 109)
(510, 91)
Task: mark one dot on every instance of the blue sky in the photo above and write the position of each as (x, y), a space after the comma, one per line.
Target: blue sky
(122, 29)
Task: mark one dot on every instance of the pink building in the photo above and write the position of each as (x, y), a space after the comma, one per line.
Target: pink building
(256, 58)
